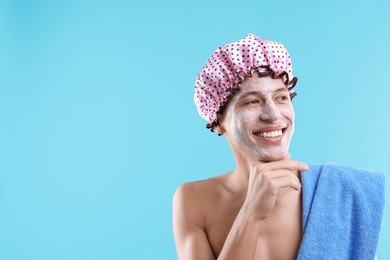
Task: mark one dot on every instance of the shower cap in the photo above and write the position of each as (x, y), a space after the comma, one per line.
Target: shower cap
(230, 64)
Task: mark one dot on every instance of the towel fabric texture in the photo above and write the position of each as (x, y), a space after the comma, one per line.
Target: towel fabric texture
(342, 212)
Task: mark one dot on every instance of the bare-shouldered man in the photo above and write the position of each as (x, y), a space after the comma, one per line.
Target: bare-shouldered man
(255, 211)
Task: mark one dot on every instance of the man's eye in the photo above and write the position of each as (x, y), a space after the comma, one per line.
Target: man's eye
(284, 98)
(253, 101)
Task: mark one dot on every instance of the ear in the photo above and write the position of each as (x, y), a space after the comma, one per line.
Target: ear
(219, 129)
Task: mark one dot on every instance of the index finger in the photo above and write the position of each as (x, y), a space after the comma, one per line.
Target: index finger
(285, 164)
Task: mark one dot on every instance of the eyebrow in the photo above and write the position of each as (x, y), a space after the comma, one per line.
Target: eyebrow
(244, 95)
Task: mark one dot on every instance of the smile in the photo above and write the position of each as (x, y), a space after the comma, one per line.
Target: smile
(272, 134)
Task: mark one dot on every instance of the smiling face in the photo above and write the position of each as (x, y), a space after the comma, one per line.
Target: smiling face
(259, 120)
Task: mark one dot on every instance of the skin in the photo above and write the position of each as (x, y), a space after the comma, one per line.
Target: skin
(266, 99)
(253, 212)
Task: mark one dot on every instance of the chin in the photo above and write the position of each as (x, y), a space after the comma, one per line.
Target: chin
(271, 157)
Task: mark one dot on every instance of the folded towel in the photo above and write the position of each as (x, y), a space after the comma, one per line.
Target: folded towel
(342, 212)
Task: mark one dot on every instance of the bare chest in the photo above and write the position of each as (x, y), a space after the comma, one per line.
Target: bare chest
(280, 238)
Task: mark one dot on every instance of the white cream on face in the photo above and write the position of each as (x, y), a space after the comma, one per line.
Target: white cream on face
(260, 104)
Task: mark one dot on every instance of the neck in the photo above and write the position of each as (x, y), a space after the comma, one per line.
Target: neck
(240, 176)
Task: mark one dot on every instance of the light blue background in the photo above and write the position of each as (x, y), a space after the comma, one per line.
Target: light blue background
(98, 126)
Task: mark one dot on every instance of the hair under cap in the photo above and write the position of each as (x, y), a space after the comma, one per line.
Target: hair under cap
(220, 78)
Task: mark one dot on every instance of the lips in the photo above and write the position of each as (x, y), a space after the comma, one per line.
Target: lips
(270, 135)
(270, 132)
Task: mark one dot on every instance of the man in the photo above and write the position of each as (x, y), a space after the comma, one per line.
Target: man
(269, 207)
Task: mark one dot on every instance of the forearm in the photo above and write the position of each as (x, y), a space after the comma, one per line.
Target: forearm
(242, 239)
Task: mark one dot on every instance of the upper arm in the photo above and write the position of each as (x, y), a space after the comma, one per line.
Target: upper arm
(190, 238)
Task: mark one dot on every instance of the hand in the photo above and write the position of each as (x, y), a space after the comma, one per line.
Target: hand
(265, 182)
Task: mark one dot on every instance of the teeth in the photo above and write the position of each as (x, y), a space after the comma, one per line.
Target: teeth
(272, 134)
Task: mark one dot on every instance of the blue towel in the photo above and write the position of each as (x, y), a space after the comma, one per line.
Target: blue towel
(342, 212)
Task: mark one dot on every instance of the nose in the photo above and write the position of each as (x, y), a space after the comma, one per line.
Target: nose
(270, 112)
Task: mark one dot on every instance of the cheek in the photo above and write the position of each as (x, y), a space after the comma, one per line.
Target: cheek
(288, 112)
(245, 119)
(290, 116)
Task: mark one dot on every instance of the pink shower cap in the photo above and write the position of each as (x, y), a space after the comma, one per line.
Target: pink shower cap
(220, 78)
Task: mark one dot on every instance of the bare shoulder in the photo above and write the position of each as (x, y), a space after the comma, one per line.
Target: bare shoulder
(194, 205)
(208, 189)
(192, 202)
(195, 200)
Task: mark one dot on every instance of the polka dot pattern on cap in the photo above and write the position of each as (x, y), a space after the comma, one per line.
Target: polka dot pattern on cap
(228, 67)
